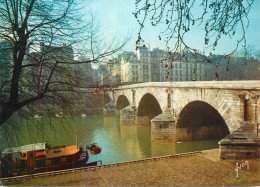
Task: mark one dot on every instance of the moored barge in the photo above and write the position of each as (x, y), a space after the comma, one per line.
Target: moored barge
(40, 157)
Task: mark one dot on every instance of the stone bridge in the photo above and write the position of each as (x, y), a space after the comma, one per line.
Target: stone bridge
(186, 110)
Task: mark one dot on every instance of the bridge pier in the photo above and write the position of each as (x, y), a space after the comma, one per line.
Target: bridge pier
(142, 120)
(128, 115)
(163, 127)
(109, 109)
(243, 143)
(117, 112)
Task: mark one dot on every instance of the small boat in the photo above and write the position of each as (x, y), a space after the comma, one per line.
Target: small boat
(37, 116)
(59, 115)
(40, 157)
(83, 115)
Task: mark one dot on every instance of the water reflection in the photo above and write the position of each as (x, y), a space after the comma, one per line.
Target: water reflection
(118, 143)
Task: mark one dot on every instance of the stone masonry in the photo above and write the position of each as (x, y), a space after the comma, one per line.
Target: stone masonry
(163, 127)
(235, 101)
(243, 143)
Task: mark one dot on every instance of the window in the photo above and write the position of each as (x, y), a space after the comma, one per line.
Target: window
(40, 154)
(180, 65)
(24, 155)
(180, 72)
(30, 154)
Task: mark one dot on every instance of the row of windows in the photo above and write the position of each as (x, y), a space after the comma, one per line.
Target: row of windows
(186, 65)
(149, 54)
(134, 79)
(145, 73)
(136, 66)
(172, 78)
(175, 65)
(145, 66)
(145, 79)
(188, 72)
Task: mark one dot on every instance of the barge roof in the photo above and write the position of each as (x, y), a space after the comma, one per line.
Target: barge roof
(25, 148)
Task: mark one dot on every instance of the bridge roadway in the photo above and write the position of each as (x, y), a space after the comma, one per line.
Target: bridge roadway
(199, 168)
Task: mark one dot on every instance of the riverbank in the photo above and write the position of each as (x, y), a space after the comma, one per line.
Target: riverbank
(203, 169)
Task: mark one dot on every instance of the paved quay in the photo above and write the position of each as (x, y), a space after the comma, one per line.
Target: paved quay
(202, 169)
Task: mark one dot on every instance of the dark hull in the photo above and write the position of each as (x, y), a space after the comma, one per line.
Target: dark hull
(73, 162)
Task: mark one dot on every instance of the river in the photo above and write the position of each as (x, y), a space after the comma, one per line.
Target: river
(118, 142)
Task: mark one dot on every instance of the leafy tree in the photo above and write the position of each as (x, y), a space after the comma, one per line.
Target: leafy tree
(41, 36)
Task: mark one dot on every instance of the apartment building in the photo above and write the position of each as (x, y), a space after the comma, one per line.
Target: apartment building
(157, 65)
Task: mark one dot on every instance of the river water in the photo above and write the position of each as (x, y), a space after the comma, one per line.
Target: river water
(118, 142)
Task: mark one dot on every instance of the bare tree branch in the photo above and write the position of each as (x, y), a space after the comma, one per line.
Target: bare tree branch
(42, 37)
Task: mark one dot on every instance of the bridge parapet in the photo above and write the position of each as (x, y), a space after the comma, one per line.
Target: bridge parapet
(231, 85)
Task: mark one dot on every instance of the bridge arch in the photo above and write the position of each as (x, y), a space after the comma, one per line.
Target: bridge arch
(199, 120)
(148, 108)
(122, 102)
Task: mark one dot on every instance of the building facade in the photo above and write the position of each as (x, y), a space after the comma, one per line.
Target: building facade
(130, 68)
(157, 65)
(238, 68)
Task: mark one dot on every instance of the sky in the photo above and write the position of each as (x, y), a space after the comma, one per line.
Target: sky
(116, 20)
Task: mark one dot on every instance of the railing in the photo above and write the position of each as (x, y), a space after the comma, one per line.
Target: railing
(52, 173)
